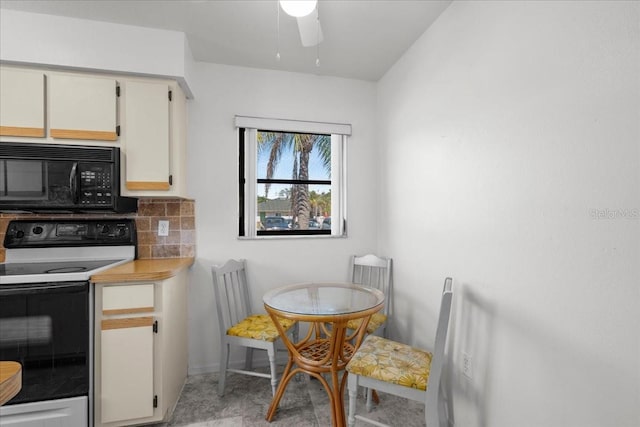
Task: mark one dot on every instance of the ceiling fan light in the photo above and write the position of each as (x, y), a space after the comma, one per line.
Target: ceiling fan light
(298, 8)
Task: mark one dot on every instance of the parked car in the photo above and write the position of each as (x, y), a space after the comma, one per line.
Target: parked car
(326, 223)
(275, 223)
(313, 225)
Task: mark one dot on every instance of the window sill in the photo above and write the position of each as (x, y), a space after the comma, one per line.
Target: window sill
(289, 237)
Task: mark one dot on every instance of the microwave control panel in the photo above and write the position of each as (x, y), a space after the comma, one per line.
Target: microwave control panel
(96, 184)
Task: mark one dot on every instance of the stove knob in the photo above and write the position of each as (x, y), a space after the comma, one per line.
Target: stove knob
(105, 229)
(19, 234)
(37, 230)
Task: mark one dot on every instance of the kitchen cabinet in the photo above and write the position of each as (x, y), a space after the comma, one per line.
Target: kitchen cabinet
(82, 107)
(146, 117)
(126, 352)
(153, 138)
(146, 114)
(22, 103)
(140, 350)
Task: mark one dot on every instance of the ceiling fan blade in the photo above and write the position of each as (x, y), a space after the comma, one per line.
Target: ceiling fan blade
(310, 29)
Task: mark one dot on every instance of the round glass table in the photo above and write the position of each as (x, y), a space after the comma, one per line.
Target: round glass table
(329, 344)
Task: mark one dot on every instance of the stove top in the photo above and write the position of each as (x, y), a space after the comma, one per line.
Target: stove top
(12, 273)
(23, 268)
(65, 250)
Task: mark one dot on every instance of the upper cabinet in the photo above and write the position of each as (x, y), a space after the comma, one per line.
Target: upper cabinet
(153, 138)
(145, 117)
(82, 107)
(22, 101)
(146, 135)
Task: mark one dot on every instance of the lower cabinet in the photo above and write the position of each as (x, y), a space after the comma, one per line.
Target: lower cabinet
(140, 350)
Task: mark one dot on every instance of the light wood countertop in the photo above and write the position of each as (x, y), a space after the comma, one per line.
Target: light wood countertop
(143, 269)
(10, 380)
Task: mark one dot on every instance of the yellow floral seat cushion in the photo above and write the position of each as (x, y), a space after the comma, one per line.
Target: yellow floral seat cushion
(259, 327)
(376, 321)
(391, 362)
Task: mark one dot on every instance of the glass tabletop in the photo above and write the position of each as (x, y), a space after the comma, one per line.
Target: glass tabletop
(323, 298)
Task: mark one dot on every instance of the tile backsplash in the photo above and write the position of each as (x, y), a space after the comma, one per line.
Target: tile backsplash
(181, 241)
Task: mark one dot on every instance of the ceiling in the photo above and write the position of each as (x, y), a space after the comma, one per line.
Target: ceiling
(362, 39)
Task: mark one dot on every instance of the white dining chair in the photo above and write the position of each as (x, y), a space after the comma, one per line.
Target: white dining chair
(240, 327)
(401, 370)
(374, 272)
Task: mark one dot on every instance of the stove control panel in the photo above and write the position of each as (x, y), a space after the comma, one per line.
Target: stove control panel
(72, 232)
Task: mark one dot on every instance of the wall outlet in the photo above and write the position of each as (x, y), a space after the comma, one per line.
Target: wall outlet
(163, 228)
(467, 366)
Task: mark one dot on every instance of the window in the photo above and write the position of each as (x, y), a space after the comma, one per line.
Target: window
(291, 178)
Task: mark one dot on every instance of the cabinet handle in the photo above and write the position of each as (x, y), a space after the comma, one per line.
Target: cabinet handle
(22, 131)
(99, 135)
(111, 312)
(132, 322)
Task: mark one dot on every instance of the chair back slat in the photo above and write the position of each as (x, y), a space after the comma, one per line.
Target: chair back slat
(231, 293)
(374, 272)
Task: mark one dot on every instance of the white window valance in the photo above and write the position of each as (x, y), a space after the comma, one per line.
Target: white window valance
(292, 125)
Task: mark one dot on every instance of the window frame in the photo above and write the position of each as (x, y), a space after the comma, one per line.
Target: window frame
(248, 181)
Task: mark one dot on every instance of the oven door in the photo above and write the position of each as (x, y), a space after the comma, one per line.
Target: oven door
(45, 327)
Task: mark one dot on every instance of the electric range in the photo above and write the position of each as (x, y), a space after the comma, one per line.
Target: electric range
(46, 312)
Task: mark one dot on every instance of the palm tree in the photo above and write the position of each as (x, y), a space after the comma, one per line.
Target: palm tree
(320, 203)
(276, 144)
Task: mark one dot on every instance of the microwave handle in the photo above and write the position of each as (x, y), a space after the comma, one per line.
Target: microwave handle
(73, 183)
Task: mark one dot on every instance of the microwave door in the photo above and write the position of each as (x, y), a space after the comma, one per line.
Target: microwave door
(37, 184)
(23, 180)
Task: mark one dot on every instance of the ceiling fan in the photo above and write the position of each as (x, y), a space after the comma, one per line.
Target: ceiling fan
(306, 13)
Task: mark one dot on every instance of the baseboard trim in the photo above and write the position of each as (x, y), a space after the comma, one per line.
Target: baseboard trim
(258, 362)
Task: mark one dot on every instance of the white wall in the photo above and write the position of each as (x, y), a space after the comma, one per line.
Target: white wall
(222, 92)
(58, 41)
(506, 130)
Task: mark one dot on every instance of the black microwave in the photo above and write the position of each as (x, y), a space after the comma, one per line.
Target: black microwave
(61, 178)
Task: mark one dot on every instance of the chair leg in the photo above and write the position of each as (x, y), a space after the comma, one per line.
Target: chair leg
(432, 412)
(369, 393)
(353, 398)
(224, 363)
(271, 353)
(248, 359)
(295, 333)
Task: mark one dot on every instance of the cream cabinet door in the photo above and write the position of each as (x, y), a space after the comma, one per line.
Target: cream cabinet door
(22, 101)
(127, 369)
(128, 299)
(146, 135)
(82, 107)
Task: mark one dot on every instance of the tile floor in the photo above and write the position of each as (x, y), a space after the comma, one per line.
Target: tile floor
(246, 400)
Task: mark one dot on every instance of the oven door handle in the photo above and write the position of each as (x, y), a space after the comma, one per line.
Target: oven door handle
(30, 289)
